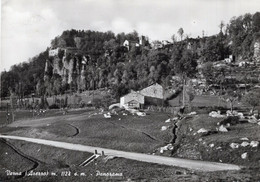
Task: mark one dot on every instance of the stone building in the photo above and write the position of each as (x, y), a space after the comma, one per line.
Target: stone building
(153, 94)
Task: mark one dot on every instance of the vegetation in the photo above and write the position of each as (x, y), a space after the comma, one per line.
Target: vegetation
(110, 64)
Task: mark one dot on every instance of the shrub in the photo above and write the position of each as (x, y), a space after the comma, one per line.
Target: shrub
(97, 102)
(233, 120)
(54, 106)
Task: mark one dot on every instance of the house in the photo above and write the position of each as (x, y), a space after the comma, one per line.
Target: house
(131, 43)
(132, 100)
(153, 94)
(157, 45)
(230, 59)
(165, 42)
(53, 52)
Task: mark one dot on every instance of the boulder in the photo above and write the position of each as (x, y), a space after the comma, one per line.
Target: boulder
(175, 119)
(244, 144)
(244, 155)
(234, 145)
(229, 113)
(141, 113)
(202, 130)
(254, 143)
(211, 145)
(192, 113)
(240, 115)
(161, 150)
(164, 128)
(108, 115)
(244, 138)
(223, 129)
(168, 120)
(252, 120)
(235, 113)
(215, 114)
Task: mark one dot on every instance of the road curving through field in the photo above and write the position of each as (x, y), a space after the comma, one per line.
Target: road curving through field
(170, 161)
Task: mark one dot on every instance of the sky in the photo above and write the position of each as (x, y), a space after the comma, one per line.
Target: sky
(28, 26)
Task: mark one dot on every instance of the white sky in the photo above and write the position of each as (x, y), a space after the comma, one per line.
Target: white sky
(27, 26)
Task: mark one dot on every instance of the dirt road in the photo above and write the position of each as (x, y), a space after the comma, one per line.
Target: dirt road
(185, 163)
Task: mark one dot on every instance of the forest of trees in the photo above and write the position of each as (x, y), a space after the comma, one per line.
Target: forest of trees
(115, 67)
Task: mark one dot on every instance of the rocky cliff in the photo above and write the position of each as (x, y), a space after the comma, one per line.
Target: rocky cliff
(69, 64)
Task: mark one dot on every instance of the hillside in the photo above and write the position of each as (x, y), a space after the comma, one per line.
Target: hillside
(79, 60)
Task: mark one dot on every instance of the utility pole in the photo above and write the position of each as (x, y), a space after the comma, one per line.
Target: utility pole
(7, 114)
(183, 94)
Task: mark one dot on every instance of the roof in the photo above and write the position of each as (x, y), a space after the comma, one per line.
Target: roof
(131, 92)
(152, 84)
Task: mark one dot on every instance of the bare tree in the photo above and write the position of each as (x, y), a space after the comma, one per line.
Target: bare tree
(221, 25)
(173, 37)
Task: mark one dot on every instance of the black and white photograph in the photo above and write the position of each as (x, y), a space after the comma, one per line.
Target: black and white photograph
(130, 90)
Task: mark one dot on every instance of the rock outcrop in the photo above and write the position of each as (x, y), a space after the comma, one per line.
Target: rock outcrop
(69, 63)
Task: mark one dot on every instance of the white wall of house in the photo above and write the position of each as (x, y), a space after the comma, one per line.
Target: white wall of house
(53, 52)
(131, 96)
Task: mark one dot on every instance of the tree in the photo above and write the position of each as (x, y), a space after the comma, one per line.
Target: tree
(252, 98)
(256, 22)
(221, 26)
(231, 97)
(173, 37)
(185, 64)
(214, 49)
(180, 32)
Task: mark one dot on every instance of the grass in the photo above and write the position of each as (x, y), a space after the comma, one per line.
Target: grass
(221, 151)
(124, 134)
(28, 114)
(129, 133)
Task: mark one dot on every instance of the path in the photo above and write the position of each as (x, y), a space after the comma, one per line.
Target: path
(170, 161)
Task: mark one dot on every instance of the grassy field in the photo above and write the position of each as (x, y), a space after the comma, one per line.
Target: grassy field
(28, 114)
(122, 132)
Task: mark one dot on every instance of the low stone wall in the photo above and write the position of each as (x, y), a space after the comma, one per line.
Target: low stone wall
(173, 110)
